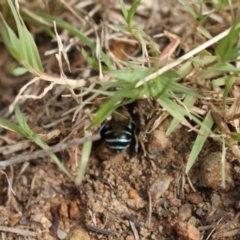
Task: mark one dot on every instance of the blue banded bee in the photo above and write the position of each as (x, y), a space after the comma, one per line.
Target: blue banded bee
(120, 132)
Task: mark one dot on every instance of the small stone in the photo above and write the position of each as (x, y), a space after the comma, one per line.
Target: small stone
(173, 201)
(130, 238)
(61, 234)
(216, 200)
(207, 207)
(40, 218)
(186, 231)
(73, 210)
(192, 221)
(185, 212)
(195, 197)
(63, 210)
(200, 212)
(211, 172)
(132, 194)
(136, 203)
(159, 187)
(78, 233)
(24, 180)
(24, 220)
(15, 218)
(158, 142)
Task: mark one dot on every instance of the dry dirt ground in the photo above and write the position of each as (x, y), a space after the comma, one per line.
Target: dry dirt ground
(123, 195)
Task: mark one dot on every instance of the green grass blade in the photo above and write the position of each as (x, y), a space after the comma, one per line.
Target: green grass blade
(13, 45)
(124, 10)
(225, 46)
(23, 49)
(25, 131)
(172, 108)
(40, 25)
(28, 47)
(235, 136)
(55, 159)
(30, 134)
(17, 71)
(189, 9)
(132, 11)
(229, 83)
(131, 75)
(90, 60)
(12, 127)
(200, 140)
(188, 102)
(22, 122)
(113, 103)
(86, 150)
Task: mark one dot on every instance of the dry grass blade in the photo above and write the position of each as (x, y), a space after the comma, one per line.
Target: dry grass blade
(22, 232)
(184, 57)
(234, 111)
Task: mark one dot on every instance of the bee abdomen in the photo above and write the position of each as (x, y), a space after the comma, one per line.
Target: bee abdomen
(118, 140)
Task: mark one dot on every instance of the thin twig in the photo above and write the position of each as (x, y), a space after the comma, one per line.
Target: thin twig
(212, 231)
(218, 225)
(190, 183)
(102, 231)
(53, 149)
(9, 183)
(149, 216)
(134, 229)
(18, 231)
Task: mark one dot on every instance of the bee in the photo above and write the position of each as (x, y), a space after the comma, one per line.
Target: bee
(120, 132)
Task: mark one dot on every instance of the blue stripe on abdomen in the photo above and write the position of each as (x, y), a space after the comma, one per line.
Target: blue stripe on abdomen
(118, 143)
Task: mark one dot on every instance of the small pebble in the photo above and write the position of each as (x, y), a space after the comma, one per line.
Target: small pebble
(195, 197)
(78, 233)
(211, 172)
(185, 212)
(159, 187)
(186, 231)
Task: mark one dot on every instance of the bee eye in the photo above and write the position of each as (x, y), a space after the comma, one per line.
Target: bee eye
(120, 138)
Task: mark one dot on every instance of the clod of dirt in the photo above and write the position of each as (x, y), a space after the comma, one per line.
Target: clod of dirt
(157, 145)
(195, 197)
(78, 233)
(159, 187)
(186, 231)
(216, 200)
(210, 174)
(135, 201)
(40, 218)
(159, 141)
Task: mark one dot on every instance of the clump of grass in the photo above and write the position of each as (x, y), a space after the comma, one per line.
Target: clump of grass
(21, 47)
(147, 79)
